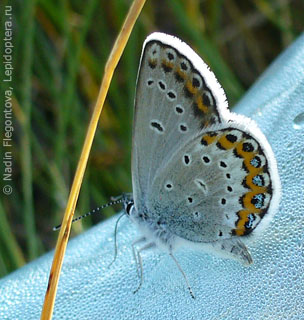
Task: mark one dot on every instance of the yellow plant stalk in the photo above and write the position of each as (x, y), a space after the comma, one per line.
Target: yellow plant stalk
(64, 233)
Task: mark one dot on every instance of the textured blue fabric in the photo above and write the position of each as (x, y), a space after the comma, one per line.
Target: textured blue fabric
(272, 288)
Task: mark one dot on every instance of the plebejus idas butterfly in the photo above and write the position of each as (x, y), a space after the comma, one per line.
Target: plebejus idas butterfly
(202, 176)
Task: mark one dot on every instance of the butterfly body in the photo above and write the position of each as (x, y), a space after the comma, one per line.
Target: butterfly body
(154, 229)
(201, 175)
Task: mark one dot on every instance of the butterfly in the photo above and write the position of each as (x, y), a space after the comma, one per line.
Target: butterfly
(202, 176)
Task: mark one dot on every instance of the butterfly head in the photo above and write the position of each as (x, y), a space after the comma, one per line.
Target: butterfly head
(128, 203)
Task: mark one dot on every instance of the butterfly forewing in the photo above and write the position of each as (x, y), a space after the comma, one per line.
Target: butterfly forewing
(174, 101)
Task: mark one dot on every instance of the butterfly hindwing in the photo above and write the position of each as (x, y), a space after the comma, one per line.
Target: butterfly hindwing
(218, 185)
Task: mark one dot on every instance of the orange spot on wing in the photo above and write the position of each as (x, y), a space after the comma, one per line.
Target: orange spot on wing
(201, 105)
(247, 156)
(152, 62)
(190, 87)
(209, 139)
(250, 184)
(243, 218)
(240, 227)
(182, 74)
(168, 64)
(226, 144)
(249, 196)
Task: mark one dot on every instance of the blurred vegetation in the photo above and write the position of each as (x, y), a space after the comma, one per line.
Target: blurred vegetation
(60, 49)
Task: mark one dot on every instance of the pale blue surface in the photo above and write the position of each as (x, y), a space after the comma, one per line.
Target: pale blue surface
(272, 288)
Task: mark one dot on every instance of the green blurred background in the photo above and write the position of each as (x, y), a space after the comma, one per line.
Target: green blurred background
(60, 49)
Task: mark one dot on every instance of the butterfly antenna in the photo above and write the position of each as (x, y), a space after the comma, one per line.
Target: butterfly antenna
(97, 210)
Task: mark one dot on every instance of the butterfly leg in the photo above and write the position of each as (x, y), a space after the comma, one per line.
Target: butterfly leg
(184, 275)
(235, 249)
(146, 247)
(134, 243)
(115, 239)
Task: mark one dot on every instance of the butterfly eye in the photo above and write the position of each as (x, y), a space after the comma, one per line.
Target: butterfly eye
(129, 207)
